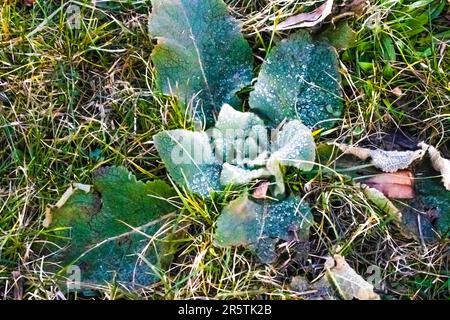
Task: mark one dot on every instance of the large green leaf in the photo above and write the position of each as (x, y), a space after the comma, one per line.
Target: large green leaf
(201, 57)
(299, 80)
(259, 225)
(189, 159)
(99, 227)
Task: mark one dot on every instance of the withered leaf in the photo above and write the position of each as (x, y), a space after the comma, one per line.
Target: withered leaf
(349, 284)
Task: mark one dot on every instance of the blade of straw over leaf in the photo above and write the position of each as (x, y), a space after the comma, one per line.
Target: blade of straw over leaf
(260, 224)
(382, 202)
(189, 160)
(306, 19)
(101, 226)
(294, 146)
(387, 161)
(201, 56)
(349, 284)
(299, 80)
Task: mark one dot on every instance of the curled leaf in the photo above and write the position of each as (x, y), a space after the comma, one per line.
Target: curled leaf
(439, 163)
(306, 19)
(239, 138)
(382, 202)
(398, 185)
(294, 146)
(238, 176)
(387, 161)
(349, 284)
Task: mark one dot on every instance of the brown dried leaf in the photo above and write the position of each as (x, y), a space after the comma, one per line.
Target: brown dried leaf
(18, 285)
(439, 163)
(349, 284)
(261, 190)
(397, 185)
(358, 7)
(29, 3)
(306, 19)
(387, 161)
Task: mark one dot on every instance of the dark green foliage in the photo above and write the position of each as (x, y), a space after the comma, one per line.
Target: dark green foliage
(98, 227)
(299, 80)
(201, 57)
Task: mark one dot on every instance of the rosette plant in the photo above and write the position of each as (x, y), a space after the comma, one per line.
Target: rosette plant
(203, 60)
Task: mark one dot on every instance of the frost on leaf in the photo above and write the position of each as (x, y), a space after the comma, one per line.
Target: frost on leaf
(348, 283)
(106, 231)
(294, 146)
(238, 176)
(201, 57)
(239, 138)
(299, 80)
(189, 160)
(387, 161)
(259, 225)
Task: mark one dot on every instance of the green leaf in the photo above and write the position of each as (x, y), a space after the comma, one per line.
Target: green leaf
(299, 80)
(388, 48)
(189, 159)
(260, 225)
(436, 201)
(201, 57)
(294, 146)
(340, 36)
(98, 227)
